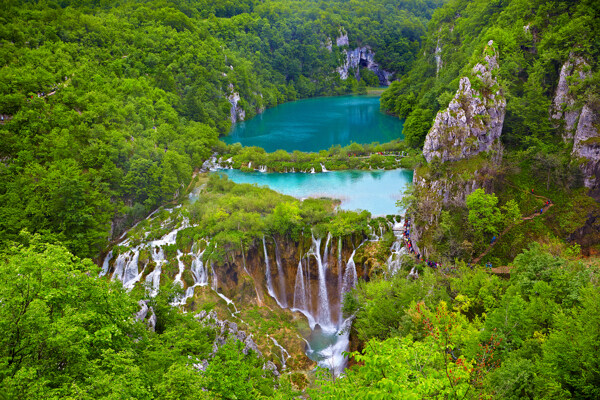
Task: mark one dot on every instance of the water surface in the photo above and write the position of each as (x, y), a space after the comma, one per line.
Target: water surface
(317, 124)
(375, 191)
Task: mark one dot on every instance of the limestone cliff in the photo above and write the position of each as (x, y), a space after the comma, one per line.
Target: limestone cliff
(237, 113)
(586, 149)
(360, 57)
(363, 57)
(579, 124)
(564, 107)
(473, 121)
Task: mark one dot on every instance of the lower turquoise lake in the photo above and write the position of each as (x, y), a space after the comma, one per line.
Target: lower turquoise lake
(375, 191)
(317, 124)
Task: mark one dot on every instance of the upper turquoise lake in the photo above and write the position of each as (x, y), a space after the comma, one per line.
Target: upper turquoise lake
(317, 124)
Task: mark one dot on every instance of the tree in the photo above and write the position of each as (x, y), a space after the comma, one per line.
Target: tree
(484, 215)
(417, 126)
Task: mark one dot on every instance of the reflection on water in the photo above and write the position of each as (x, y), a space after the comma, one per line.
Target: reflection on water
(375, 191)
(317, 124)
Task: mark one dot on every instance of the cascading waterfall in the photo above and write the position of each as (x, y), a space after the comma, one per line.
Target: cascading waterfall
(268, 275)
(106, 263)
(397, 251)
(349, 276)
(323, 311)
(302, 298)
(153, 278)
(280, 276)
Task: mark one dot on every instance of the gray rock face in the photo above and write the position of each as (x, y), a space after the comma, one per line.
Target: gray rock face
(473, 121)
(143, 314)
(237, 113)
(563, 104)
(586, 148)
(580, 123)
(227, 329)
(363, 57)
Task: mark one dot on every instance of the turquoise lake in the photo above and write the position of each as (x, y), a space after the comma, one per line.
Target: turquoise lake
(375, 191)
(317, 124)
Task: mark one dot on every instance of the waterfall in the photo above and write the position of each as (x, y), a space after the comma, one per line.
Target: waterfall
(349, 276)
(394, 261)
(302, 298)
(285, 355)
(323, 311)
(280, 276)
(153, 278)
(340, 271)
(120, 263)
(131, 274)
(300, 302)
(105, 264)
(268, 276)
(199, 271)
(215, 282)
(323, 168)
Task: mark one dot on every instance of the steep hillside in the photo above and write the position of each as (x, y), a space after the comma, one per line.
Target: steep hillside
(504, 97)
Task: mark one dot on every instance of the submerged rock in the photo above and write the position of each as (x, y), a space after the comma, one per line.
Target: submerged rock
(473, 121)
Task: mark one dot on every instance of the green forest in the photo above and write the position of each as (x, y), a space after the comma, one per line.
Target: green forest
(120, 103)
(108, 111)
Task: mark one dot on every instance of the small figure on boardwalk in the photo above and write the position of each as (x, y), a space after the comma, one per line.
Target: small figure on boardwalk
(531, 191)
(493, 239)
(541, 210)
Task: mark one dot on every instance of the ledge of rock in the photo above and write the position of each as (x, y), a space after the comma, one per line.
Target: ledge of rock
(473, 121)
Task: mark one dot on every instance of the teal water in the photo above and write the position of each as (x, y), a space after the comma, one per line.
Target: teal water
(317, 124)
(375, 191)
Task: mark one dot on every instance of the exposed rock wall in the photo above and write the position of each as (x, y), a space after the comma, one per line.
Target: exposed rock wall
(586, 149)
(580, 124)
(563, 104)
(363, 57)
(473, 121)
(237, 113)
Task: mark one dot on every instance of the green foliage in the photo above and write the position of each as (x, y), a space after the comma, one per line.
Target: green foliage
(474, 335)
(68, 334)
(110, 107)
(533, 39)
(417, 126)
(484, 216)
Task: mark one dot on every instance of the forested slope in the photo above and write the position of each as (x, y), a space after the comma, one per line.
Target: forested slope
(107, 109)
(533, 38)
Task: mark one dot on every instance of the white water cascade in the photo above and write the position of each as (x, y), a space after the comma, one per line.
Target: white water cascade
(268, 276)
(302, 296)
(323, 168)
(323, 310)
(280, 276)
(350, 277)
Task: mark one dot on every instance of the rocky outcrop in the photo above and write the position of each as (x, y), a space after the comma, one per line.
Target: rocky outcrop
(237, 113)
(363, 57)
(473, 121)
(227, 330)
(579, 124)
(142, 315)
(564, 106)
(586, 149)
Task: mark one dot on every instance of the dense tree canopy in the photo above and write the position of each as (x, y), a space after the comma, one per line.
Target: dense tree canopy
(108, 108)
